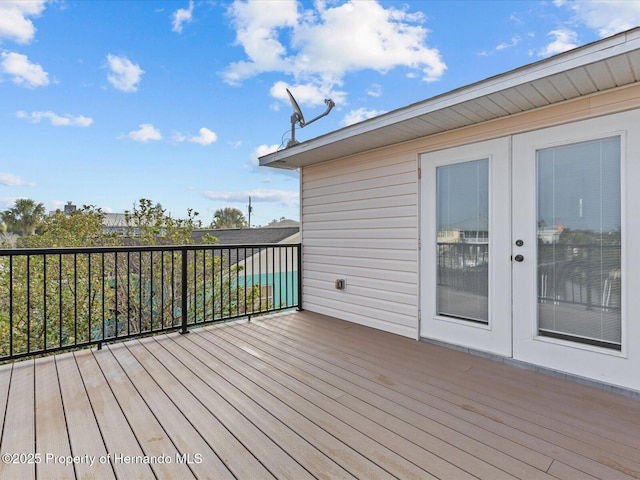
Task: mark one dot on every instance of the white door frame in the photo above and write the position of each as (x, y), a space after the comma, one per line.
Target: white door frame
(496, 336)
(597, 363)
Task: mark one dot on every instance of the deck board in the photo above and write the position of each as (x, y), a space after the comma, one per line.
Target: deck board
(308, 420)
(458, 450)
(18, 434)
(49, 421)
(6, 372)
(256, 443)
(119, 438)
(83, 431)
(183, 434)
(240, 461)
(153, 440)
(359, 419)
(419, 408)
(275, 418)
(573, 450)
(301, 395)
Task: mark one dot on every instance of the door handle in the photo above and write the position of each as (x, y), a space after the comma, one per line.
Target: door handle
(518, 258)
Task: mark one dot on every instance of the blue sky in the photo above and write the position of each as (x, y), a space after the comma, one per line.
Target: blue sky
(106, 102)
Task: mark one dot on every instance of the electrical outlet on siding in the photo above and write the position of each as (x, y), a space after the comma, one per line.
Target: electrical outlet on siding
(341, 284)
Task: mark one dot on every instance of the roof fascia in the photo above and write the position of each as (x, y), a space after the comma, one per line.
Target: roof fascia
(588, 54)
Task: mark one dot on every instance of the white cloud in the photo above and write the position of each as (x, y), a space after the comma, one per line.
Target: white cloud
(257, 27)
(260, 152)
(254, 163)
(125, 75)
(181, 16)
(306, 94)
(563, 40)
(607, 17)
(355, 116)
(57, 120)
(54, 205)
(145, 133)
(515, 40)
(24, 73)
(8, 202)
(206, 137)
(378, 39)
(375, 90)
(263, 150)
(283, 197)
(10, 180)
(14, 22)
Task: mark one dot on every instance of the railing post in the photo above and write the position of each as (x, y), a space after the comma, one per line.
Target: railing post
(183, 298)
(299, 307)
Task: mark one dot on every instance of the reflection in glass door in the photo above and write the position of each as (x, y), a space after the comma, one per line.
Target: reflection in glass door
(462, 219)
(579, 242)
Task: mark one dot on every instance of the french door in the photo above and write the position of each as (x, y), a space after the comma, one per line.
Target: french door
(572, 186)
(465, 236)
(525, 247)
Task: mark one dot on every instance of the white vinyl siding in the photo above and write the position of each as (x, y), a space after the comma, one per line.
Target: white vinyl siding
(360, 216)
(360, 223)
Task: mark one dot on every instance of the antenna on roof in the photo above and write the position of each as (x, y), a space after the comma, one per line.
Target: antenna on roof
(298, 117)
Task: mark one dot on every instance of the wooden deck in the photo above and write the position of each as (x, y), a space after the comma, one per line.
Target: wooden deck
(301, 395)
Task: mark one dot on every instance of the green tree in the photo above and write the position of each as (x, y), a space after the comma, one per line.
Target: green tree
(147, 286)
(151, 225)
(54, 296)
(60, 299)
(24, 217)
(82, 228)
(228, 218)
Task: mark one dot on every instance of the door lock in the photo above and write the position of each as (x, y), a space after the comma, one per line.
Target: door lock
(519, 243)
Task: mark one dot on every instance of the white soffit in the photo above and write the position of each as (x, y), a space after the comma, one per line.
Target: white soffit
(608, 63)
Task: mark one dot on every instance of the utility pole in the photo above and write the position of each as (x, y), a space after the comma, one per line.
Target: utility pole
(250, 209)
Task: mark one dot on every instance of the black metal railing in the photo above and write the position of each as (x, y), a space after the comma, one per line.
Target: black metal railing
(66, 298)
(580, 274)
(464, 266)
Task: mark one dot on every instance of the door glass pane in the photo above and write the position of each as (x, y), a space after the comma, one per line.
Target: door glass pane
(462, 203)
(579, 242)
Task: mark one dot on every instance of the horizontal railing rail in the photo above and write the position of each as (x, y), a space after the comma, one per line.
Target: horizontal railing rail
(56, 299)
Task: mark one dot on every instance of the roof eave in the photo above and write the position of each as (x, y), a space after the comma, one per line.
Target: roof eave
(362, 136)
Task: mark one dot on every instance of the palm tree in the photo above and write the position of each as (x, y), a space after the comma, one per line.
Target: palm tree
(24, 217)
(228, 218)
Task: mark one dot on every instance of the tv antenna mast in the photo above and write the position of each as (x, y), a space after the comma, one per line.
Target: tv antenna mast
(298, 117)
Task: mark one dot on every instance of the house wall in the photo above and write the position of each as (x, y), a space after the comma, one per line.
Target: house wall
(360, 217)
(360, 225)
